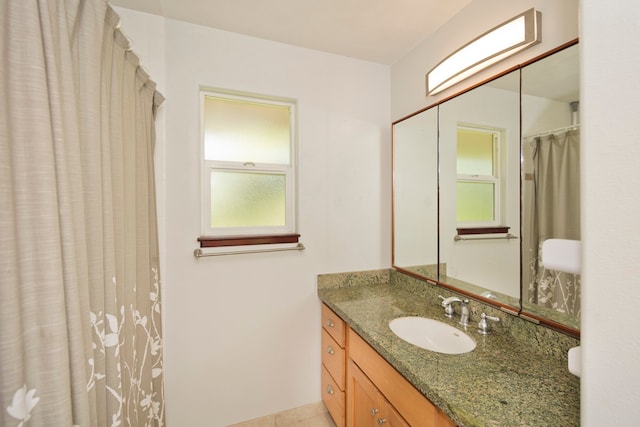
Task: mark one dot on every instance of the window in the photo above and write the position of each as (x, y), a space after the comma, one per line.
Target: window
(248, 165)
(478, 177)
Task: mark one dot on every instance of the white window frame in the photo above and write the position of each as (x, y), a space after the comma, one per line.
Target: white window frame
(495, 179)
(249, 166)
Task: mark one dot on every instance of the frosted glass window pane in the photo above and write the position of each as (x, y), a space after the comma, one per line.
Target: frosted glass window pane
(475, 201)
(475, 152)
(242, 199)
(244, 131)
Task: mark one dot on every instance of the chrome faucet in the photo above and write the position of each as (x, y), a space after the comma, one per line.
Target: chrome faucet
(447, 303)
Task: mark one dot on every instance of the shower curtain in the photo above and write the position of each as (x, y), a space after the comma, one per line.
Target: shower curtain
(80, 330)
(554, 211)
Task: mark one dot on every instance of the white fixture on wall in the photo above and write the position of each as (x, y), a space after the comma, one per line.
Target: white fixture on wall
(514, 35)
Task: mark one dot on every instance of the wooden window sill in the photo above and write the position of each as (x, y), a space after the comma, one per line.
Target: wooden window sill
(214, 242)
(482, 230)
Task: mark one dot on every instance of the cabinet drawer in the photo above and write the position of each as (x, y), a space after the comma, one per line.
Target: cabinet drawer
(333, 359)
(333, 398)
(334, 325)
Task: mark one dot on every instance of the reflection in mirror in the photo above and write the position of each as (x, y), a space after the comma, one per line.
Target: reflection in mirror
(415, 193)
(550, 181)
(479, 147)
(492, 155)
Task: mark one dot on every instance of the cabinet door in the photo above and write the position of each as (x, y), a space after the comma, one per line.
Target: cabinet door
(363, 408)
(414, 408)
(367, 406)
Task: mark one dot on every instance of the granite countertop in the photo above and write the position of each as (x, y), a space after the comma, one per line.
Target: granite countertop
(504, 381)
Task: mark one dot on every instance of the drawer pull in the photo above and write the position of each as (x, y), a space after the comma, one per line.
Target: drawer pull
(330, 323)
(382, 421)
(330, 350)
(329, 389)
(373, 412)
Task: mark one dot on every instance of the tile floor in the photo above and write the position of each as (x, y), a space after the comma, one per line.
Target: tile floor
(313, 415)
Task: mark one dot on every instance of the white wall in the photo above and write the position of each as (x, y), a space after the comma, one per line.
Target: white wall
(540, 115)
(242, 332)
(610, 38)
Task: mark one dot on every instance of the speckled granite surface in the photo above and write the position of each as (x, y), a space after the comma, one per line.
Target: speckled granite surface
(508, 380)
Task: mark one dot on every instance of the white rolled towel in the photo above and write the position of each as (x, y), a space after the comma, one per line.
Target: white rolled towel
(562, 255)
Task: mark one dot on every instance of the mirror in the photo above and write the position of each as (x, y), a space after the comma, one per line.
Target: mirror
(465, 175)
(479, 146)
(415, 195)
(550, 182)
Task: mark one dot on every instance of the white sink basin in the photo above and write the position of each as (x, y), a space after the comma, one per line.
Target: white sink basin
(432, 335)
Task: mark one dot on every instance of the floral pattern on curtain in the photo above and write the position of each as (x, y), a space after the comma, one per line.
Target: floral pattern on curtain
(554, 289)
(554, 211)
(80, 293)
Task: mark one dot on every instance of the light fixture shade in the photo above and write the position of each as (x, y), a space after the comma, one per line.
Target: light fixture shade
(514, 35)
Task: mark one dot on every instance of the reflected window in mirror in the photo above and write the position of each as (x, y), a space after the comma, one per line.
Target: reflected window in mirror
(478, 177)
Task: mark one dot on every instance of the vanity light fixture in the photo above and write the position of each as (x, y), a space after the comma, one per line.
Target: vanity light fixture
(514, 35)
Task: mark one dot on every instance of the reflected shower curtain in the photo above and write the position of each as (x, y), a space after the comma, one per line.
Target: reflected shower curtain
(554, 213)
(80, 332)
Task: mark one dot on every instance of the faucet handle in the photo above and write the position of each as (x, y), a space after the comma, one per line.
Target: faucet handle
(483, 326)
(448, 308)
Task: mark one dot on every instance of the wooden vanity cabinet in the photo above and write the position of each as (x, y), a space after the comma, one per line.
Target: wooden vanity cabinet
(334, 359)
(361, 389)
(375, 388)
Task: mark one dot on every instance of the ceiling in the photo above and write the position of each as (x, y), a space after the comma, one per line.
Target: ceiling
(381, 31)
